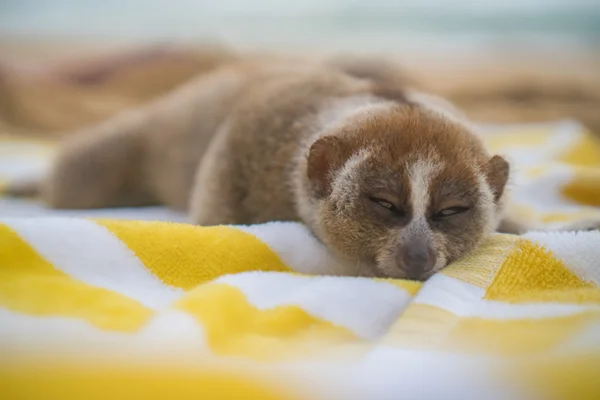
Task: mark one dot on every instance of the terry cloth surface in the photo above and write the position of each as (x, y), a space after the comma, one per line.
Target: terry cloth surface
(105, 308)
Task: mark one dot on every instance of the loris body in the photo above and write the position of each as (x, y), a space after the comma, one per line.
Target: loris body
(391, 183)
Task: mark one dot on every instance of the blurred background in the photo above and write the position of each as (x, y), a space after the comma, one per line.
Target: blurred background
(510, 61)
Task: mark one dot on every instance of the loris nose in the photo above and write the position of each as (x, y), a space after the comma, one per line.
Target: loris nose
(416, 259)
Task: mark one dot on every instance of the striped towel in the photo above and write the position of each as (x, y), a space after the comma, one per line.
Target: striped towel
(114, 308)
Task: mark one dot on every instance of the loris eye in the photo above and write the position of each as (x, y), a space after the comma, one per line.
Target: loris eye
(382, 203)
(450, 212)
(386, 205)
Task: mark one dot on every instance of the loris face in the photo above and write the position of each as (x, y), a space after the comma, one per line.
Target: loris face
(405, 192)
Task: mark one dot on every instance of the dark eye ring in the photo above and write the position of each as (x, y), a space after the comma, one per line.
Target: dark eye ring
(450, 212)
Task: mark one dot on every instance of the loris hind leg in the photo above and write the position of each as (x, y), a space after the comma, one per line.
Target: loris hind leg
(100, 168)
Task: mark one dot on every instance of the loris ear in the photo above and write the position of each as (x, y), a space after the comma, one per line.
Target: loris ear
(497, 175)
(325, 156)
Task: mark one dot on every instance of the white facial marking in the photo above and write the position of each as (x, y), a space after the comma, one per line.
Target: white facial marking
(421, 173)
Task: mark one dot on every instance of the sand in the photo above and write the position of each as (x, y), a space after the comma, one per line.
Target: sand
(491, 86)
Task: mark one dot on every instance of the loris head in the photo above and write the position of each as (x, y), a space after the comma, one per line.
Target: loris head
(403, 191)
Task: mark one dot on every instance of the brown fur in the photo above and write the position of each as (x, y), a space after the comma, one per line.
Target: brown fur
(256, 142)
(356, 228)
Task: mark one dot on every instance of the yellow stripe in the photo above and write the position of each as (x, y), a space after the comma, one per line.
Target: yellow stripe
(235, 327)
(584, 187)
(429, 327)
(411, 287)
(186, 255)
(562, 378)
(30, 285)
(424, 326)
(516, 337)
(480, 267)
(421, 326)
(60, 380)
(585, 152)
(531, 273)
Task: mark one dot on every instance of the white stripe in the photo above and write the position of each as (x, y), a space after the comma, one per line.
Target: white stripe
(565, 135)
(421, 172)
(19, 331)
(544, 192)
(450, 294)
(505, 311)
(388, 371)
(169, 332)
(364, 306)
(90, 253)
(19, 168)
(173, 331)
(297, 247)
(26, 208)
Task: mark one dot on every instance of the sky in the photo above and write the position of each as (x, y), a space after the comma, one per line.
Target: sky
(282, 23)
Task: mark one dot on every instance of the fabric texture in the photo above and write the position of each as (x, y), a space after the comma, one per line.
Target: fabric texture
(97, 307)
